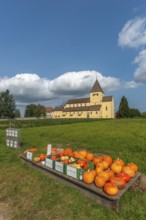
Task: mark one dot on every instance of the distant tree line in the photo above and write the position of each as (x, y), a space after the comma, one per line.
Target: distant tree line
(125, 112)
(33, 110)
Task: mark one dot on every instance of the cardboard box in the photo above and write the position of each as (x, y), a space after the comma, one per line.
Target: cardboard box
(50, 163)
(78, 172)
(60, 167)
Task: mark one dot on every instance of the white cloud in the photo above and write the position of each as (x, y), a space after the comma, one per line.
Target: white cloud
(133, 33)
(140, 72)
(30, 88)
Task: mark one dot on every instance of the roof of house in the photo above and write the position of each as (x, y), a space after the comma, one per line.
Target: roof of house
(79, 109)
(96, 87)
(59, 108)
(107, 99)
(49, 109)
(81, 100)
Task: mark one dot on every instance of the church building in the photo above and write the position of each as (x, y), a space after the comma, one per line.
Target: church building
(95, 106)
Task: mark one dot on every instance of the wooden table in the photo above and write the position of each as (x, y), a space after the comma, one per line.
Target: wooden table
(95, 193)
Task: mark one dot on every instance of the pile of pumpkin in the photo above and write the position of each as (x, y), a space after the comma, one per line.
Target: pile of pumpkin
(111, 175)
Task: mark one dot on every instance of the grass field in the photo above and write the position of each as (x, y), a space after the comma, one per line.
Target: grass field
(28, 194)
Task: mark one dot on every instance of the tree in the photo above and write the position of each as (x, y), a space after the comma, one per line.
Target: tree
(17, 113)
(123, 111)
(7, 105)
(133, 113)
(33, 110)
(144, 114)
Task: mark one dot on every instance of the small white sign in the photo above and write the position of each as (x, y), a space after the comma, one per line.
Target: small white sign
(49, 147)
(29, 155)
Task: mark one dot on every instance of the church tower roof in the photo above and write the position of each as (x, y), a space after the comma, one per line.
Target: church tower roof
(96, 87)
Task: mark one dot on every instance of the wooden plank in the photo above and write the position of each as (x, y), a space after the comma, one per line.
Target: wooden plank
(95, 193)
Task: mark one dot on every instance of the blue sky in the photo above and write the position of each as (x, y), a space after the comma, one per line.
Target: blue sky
(53, 50)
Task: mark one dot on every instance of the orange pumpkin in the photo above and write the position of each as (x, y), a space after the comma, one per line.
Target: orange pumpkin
(42, 157)
(108, 159)
(88, 177)
(97, 159)
(129, 171)
(83, 152)
(90, 156)
(98, 169)
(133, 166)
(68, 151)
(118, 181)
(100, 181)
(110, 172)
(117, 168)
(79, 155)
(94, 172)
(100, 164)
(104, 174)
(111, 189)
(119, 161)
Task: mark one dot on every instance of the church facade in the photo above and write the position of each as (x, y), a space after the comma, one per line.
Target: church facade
(95, 106)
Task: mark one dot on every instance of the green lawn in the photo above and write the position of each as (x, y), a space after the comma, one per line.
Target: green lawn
(32, 195)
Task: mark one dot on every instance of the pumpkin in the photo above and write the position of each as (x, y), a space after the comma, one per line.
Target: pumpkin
(83, 152)
(88, 177)
(133, 166)
(98, 169)
(42, 157)
(124, 176)
(90, 156)
(119, 161)
(108, 159)
(79, 155)
(36, 159)
(117, 168)
(100, 181)
(104, 174)
(118, 181)
(68, 151)
(129, 171)
(110, 172)
(111, 189)
(97, 159)
(100, 164)
(105, 164)
(94, 172)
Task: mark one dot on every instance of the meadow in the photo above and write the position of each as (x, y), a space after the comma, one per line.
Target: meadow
(29, 194)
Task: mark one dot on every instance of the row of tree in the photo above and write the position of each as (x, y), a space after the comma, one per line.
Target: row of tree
(8, 108)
